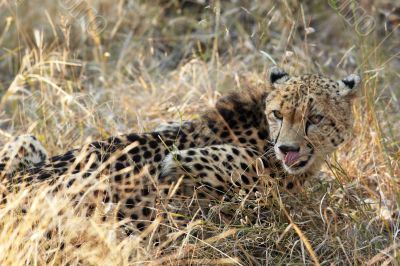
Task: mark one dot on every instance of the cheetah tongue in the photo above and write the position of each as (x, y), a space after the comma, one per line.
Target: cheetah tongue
(291, 158)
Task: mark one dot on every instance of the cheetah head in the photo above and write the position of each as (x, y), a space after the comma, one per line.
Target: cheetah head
(308, 117)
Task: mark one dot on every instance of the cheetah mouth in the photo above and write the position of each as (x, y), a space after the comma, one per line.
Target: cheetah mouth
(296, 164)
(300, 163)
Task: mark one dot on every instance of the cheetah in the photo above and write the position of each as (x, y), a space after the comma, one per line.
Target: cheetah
(281, 131)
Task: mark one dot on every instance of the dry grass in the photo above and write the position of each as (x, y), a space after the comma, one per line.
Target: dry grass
(166, 60)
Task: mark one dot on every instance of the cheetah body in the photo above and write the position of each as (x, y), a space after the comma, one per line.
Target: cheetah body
(236, 146)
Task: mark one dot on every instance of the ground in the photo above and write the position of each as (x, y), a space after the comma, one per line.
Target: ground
(68, 82)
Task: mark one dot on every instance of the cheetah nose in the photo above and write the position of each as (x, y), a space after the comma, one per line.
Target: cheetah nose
(285, 149)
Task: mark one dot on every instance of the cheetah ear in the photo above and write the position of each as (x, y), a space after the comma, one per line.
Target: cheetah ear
(277, 75)
(349, 85)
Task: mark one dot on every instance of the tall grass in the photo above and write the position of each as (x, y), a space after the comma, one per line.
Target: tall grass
(168, 60)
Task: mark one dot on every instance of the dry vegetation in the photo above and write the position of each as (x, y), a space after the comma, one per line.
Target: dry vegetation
(69, 83)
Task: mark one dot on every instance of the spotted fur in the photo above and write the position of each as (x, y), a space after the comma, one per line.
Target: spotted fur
(21, 152)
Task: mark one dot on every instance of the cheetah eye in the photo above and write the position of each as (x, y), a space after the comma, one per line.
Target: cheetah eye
(277, 115)
(315, 119)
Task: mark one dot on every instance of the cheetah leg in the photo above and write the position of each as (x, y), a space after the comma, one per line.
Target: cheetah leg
(222, 169)
(217, 169)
